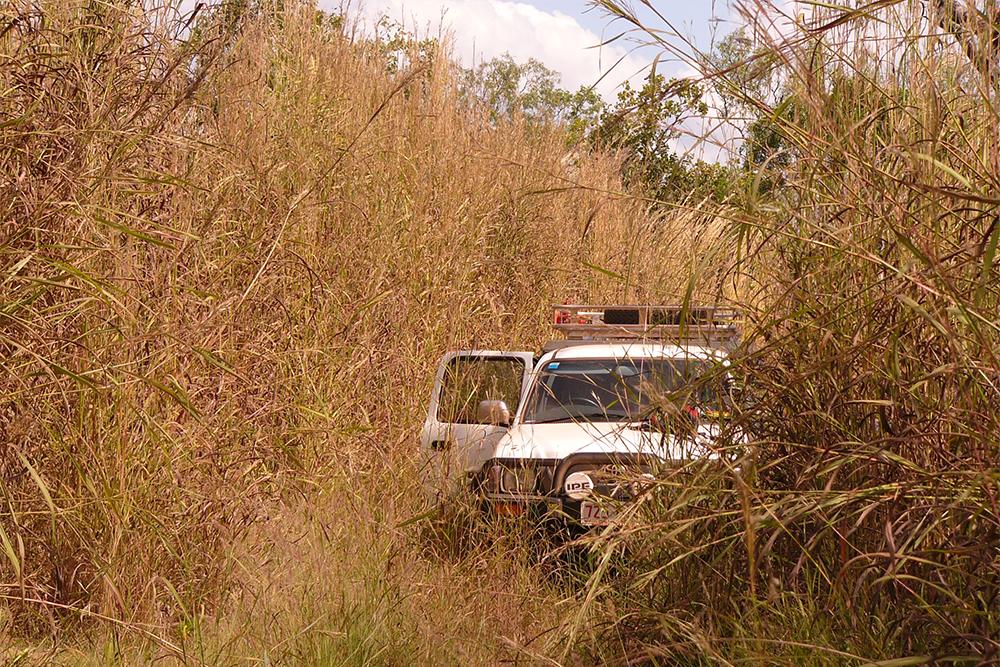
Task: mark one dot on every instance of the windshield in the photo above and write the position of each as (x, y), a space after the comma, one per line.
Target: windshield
(611, 390)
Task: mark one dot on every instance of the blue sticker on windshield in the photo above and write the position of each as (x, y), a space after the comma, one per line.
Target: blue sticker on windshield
(551, 367)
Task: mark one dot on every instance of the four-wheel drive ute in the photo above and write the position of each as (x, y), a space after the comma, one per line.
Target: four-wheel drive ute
(551, 435)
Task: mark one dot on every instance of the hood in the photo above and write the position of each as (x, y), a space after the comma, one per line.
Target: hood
(557, 441)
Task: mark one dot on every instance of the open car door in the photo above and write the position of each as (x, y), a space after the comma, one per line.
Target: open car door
(465, 419)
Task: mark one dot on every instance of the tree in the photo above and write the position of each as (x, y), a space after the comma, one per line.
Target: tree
(754, 97)
(401, 49)
(643, 123)
(583, 113)
(507, 88)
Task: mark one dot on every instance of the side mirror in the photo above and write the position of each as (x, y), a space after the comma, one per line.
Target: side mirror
(493, 412)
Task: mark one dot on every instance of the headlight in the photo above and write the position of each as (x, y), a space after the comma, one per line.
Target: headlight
(492, 480)
(518, 480)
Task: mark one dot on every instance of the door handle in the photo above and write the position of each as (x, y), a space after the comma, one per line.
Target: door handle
(440, 445)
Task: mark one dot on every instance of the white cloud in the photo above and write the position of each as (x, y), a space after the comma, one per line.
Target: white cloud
(485, 29)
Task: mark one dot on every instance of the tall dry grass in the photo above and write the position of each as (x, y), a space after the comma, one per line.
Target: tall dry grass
(859, 523)
(234, 247)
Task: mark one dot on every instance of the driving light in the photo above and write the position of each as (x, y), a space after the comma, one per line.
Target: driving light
(578, 485)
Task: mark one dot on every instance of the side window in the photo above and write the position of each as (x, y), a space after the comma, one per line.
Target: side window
(469, 380)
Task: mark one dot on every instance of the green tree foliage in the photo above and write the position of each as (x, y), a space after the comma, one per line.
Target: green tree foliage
(643, 123)
(507, 88)
(584, 113)
(402, 49)
(646, 120)
(753, 95)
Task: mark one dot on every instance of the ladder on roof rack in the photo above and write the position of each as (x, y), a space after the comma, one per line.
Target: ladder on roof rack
(709, 325)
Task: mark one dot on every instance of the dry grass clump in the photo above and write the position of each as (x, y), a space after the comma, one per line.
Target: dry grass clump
(886, 368)
(860, 521)
(233, 248)
(318, 587)
(96, 392)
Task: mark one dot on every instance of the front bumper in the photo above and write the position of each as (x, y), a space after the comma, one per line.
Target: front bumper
(546, 499)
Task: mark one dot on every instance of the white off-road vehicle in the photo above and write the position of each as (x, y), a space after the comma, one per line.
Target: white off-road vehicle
(628, 388)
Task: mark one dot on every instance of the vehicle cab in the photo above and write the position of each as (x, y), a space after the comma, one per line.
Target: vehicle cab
(628, 388)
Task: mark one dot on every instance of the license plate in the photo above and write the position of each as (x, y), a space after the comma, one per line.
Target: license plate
(591, 514)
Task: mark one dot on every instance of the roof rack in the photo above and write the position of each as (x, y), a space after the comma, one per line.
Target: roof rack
(690, 324)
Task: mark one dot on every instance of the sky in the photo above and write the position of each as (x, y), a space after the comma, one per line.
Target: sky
(563, 34)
